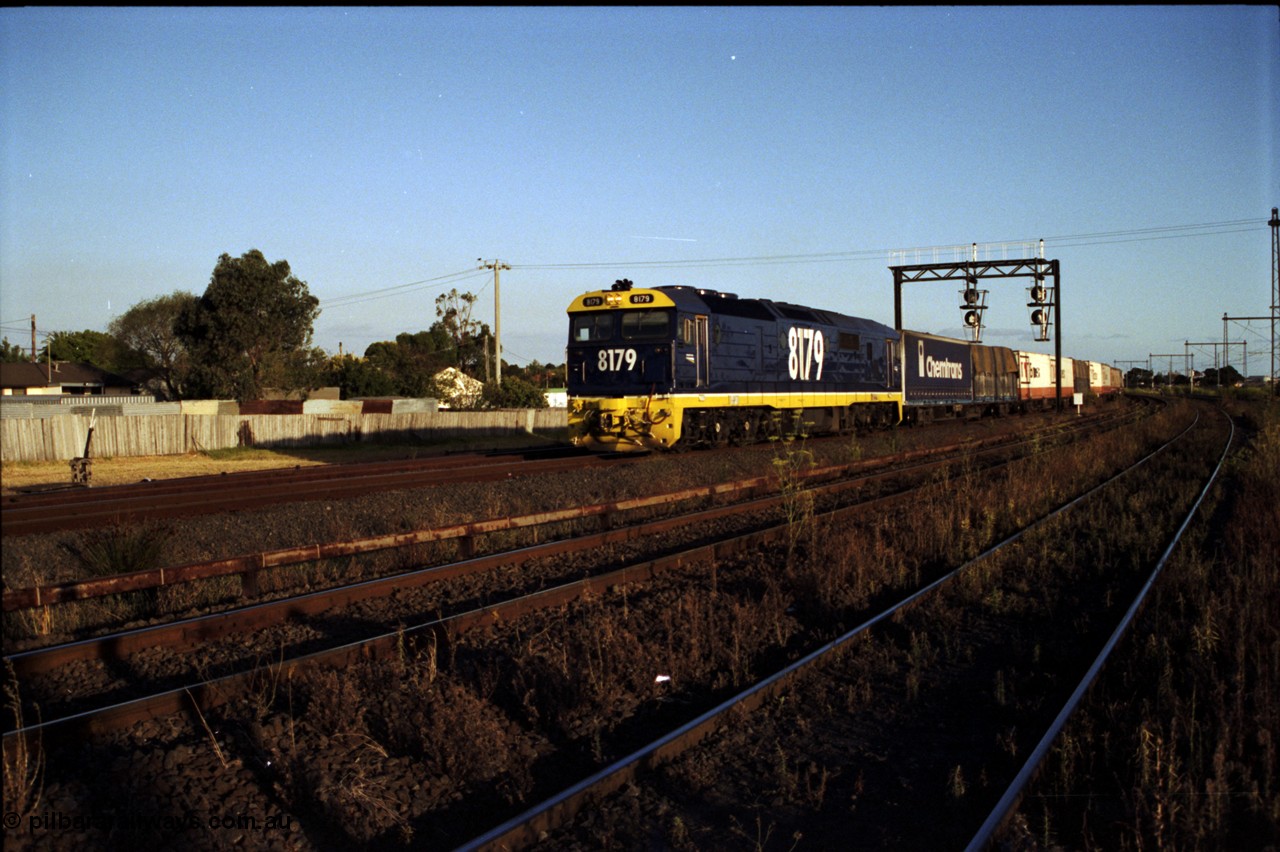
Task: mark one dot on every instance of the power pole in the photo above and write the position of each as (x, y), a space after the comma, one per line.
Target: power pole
(1122, 364)
(33, 338)
(497, 315)
(1275, 291)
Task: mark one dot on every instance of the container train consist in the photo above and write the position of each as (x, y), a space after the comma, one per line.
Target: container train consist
(679, 366)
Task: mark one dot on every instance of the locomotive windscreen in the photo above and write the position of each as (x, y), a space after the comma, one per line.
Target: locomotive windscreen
(590, 328)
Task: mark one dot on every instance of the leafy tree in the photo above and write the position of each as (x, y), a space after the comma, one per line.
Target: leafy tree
(412, 360)
(89, 347)
(514, 392)
(252, 326)
(359, 377)
(1137, 378)
(10, 354)
(454, 310)
(298, 370)
(148, 329)
(471, 338)
(1228, 376)
(537, 373)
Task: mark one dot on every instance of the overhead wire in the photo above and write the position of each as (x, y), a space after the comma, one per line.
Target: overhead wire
(400, 289)
(1070, 240)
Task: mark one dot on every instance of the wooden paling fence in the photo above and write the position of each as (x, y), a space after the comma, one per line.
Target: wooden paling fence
(63, 437)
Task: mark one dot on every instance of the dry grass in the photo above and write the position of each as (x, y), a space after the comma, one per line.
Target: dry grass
(128, 470)
(23, 764)
(1175, 747)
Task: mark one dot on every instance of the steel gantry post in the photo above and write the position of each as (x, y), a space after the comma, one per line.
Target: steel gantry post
(970, 271)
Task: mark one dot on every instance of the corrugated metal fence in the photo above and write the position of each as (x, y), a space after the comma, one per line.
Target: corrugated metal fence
(165, 432)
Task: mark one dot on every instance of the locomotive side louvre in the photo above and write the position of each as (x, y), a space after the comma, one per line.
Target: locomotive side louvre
(727, 368)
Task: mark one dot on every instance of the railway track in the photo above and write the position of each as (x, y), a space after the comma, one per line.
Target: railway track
(80, 508)
(206, 697)
(723, 742)
(538, 824)
(748, 499)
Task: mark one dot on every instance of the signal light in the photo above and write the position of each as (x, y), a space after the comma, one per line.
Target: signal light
(1039, 317)
(973, 303)
(1039, 294)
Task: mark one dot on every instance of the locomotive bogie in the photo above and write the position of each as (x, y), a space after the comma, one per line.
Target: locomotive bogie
(626, 424)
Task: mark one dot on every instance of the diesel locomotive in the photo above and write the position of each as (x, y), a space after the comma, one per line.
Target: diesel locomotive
(680, 366)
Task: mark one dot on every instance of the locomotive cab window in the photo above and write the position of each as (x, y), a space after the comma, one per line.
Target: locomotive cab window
(587, 328)
(646, 325)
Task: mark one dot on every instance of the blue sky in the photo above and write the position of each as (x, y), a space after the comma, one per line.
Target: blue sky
(771, 152)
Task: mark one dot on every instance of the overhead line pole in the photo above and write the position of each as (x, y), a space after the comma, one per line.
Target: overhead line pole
(1245, 368)
(1219, 366)
(497, 316)
(1186, 365)
(1129, 364)
(1275, 291)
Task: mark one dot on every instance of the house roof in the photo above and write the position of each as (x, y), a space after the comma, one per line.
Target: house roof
(24, 374)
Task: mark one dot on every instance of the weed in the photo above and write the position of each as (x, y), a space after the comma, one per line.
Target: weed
(955, 783)
(797, 501)
(119, 550)
(23, 763)
(209, 731)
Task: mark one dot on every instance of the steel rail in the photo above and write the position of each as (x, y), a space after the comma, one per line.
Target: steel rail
(1013, 795)
(526, 828)
(247, 565)
(746, 496)
(189, 632)
(243, 478)
(212, 494)
(26, 514)
(208, 694)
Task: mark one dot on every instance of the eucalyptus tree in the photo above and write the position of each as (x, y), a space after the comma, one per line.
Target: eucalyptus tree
(251, 329)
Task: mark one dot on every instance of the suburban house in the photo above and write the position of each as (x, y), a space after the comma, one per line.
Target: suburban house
(24, 378)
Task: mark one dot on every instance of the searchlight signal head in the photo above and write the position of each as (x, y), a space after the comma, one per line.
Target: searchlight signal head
(973, 303)
(1041, 308)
